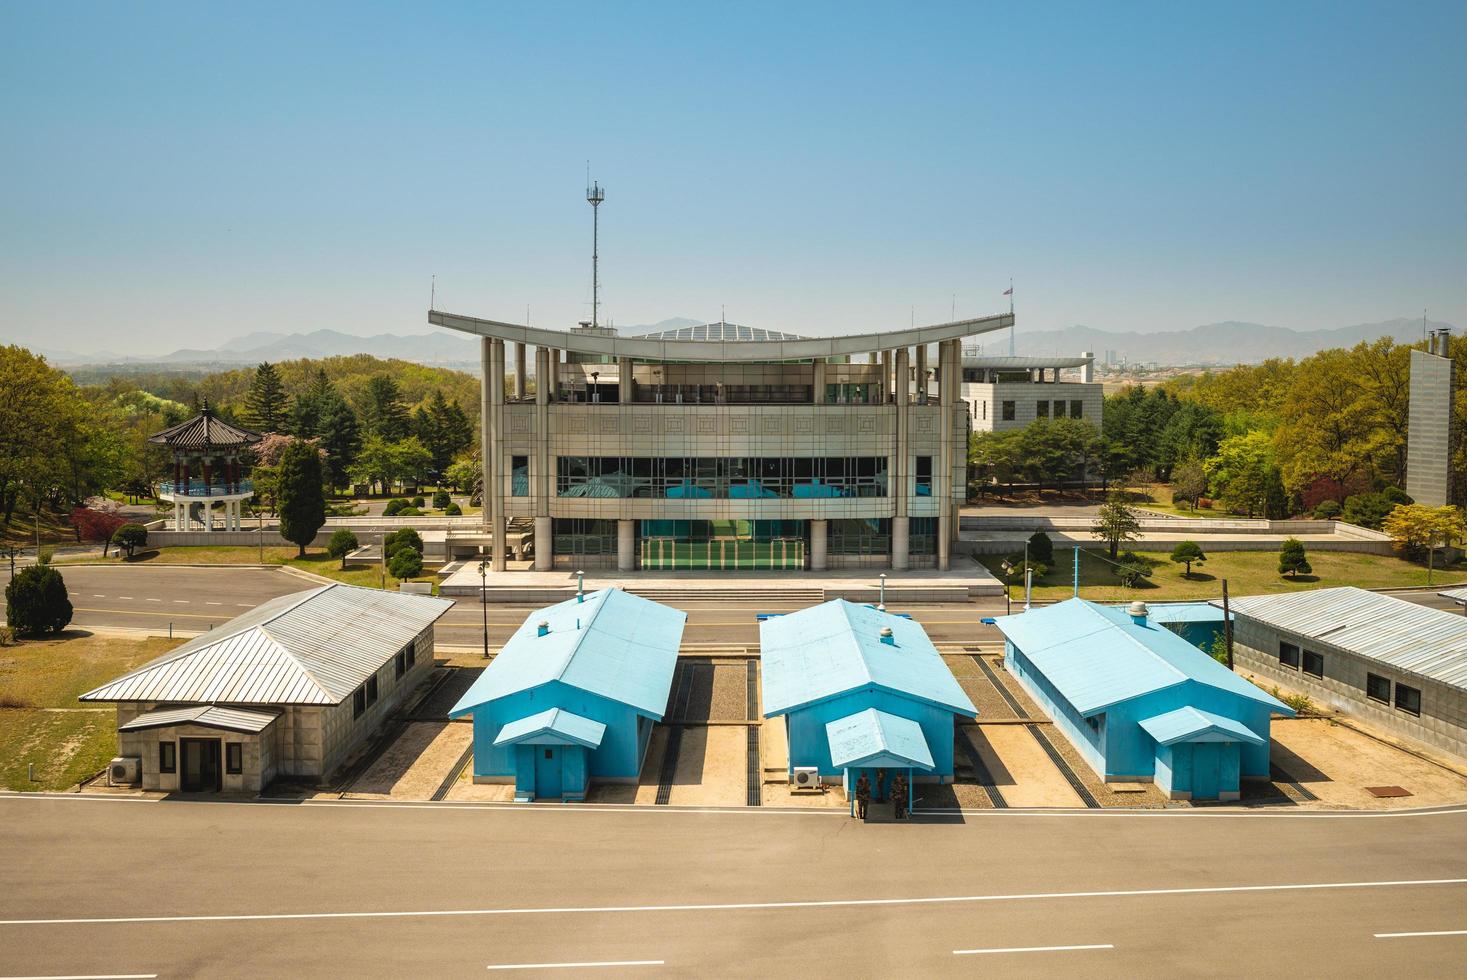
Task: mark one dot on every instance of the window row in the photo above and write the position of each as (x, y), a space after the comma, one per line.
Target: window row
(726, 478)
(1377, 688)
(1042, 410)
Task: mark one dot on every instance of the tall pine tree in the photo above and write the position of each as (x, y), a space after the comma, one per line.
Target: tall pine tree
(265, 405)
(302, 502)
(383, 414)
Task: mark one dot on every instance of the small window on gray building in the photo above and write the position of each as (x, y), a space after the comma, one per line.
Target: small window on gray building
(404, 660)
(1041, 410)
(1378, 688)
(234, 758)
(1077, 409)
(372, 689)
(1008, 411)
(519, 476)
(985, 409)
(358, 702)
(168, 757)
(1313, 663)
(1059, 409)
(1289, 655)
(924, 474)
(1408, 699)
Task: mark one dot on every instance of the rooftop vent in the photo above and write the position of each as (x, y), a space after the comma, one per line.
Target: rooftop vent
(886, 636)
(542, 627)
(1137, 612)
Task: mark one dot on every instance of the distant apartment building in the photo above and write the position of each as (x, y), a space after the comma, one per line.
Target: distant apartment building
(1430, 437)
(1010, 392)
(723, 446)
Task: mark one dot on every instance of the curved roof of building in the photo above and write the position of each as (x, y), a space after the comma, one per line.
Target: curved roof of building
(659, 349)
(1006, 363)
(721, 332)
(205, 431)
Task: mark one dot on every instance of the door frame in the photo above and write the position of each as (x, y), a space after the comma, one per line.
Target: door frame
(218, 744)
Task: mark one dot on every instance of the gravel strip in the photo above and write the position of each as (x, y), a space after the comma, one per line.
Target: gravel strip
(1150, 797)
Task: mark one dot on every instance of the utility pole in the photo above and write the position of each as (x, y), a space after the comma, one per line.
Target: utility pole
(1227, 625)
(484, 596)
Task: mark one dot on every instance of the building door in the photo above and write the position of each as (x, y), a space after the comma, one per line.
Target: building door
(1206, 770)
(547, 773)
(201, 770)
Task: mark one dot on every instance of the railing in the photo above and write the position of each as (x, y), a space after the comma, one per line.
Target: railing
(198, 488)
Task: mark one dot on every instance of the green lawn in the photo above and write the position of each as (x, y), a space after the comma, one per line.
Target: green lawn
(316, 561)
(1247, 572)
(65, 745)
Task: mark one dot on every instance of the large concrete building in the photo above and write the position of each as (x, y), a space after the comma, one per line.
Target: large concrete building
(1005, 393)
(1429, 436)
(722, 446)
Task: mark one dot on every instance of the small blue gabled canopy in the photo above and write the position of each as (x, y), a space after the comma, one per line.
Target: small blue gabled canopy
(874, 739)
(1195, 725)
(827, 650)
(615, 645)
(553, 727)
(1097, 657)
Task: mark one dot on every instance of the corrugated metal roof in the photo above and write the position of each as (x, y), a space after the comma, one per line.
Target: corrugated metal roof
(205, 431)
(1096, 656)
(724, 332)
(1183, 612)
(1195, 725)
(1456, 595)
(876, 738)
(614, 644)
(835, 647)
(313, 647)
(1428, 642)
(209, 716)
(555, 726)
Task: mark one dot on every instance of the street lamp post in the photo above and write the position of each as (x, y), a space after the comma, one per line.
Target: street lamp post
(484, 596)
(881, 604)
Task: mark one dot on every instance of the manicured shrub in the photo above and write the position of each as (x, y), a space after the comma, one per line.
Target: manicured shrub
(1041, 549)
(1188, 553)
(1293, 559)
(342, 543)
(410, 512)
(36, 602)
(453, 510)
(403, 538)
(394, 507)
(441, 499)
(405, 563)
(1328, 510)
(419, 502)
(129, 538)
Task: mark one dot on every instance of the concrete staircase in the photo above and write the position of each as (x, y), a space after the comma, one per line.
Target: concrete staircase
(770, 595)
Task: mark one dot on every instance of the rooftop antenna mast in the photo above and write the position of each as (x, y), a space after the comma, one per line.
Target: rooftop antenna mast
(594, 196)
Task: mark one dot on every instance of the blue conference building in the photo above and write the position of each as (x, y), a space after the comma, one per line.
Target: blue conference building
(1138, 701)
(860, 690)
(573, 695)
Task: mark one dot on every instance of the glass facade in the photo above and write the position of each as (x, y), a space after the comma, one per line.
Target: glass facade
(721, 478)
(859, 536)
(584, 536)
(732, 544)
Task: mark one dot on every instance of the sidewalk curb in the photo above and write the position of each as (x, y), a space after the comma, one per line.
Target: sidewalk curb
(308, 576)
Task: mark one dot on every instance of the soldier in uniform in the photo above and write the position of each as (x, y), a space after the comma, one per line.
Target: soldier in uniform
(863, 796)
(899, 796)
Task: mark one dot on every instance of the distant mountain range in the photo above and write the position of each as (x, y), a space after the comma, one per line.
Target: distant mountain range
(1215, 343)
(1230, 342)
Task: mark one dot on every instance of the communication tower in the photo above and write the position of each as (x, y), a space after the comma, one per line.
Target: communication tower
(595, 194)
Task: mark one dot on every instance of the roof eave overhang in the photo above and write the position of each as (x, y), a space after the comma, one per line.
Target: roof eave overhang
(640, 348)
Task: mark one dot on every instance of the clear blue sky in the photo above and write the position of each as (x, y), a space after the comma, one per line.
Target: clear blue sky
(177, 174)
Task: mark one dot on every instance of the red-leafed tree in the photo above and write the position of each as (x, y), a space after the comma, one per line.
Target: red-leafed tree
(97, 523)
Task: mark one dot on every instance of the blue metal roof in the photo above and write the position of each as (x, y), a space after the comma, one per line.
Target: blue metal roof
(553, 727)
(1195, 725)
(613, 644)
(835, 647)
(873, 738)
(1183, 612)
(1096, 656)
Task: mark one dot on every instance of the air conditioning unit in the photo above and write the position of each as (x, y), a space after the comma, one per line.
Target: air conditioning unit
(124, 771)
(806, 778)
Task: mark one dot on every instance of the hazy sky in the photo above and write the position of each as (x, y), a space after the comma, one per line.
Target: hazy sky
(177, 174)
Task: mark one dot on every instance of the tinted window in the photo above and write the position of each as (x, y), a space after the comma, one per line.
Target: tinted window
(1041, 410)
(1378, 688)
(1313, 663)
(1008, 411)
(233, 757)
(167, 756)
(1289, 655)
(358, 702)
(1408, 699)
(1077, 409)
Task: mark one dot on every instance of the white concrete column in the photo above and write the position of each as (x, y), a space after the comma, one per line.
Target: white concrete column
(624, 382)
(544, 545)
(208, 515)
(921, 374)
(900, 544)
(519, 371)
(886, 377)
(819, 552)
(494, 490)
(948, 353)
(626, 545)
(818, 381)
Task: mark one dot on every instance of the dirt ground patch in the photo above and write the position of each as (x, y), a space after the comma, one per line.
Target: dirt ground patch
(466, 790)
(1336, 764)
(712, 767)
(415, 765)
(1021, 770)
(779, 794)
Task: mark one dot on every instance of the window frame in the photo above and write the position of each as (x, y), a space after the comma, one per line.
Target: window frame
(372, 689)
(1284, 661)
(359, 702)
(1304, 663)
(168, 757)
(234, 758)
(1415, 692)
(1010, 410)
(1369, 678)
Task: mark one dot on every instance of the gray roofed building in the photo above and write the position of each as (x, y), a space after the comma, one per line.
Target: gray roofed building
(290, 690)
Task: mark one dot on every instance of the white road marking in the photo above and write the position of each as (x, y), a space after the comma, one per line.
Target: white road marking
(96, 596)
(571, 966)
(738, 906)
(207, 603)
(127, 597)
(184, 601)
(1415, 935)
(152, 600)
(89, 976)
(1030, 949)
(244, 605)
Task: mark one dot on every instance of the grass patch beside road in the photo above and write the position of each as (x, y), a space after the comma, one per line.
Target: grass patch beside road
(316, 561)
(65, 745)
(1247, 572)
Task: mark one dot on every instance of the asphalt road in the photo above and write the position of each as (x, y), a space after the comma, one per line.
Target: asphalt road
(142, 597)
(106, 887)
